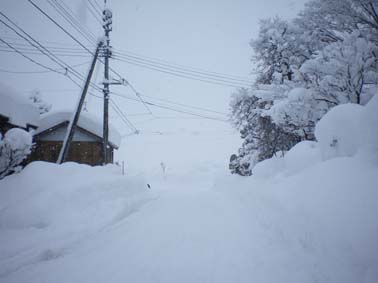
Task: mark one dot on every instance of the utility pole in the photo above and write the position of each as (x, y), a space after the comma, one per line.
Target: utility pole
(107, 25)
(75, 118)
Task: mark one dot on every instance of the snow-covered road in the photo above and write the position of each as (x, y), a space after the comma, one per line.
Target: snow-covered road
(191, 236)
(198, 227)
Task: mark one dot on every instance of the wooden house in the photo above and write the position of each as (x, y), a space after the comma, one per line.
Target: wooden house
(16, 111)
(86, 146)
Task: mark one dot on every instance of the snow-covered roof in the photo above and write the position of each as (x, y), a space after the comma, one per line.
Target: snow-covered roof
(17, 108)
(86, 121)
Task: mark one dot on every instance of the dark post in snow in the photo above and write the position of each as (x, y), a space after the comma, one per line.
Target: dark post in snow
(107, 25)
(72, 125)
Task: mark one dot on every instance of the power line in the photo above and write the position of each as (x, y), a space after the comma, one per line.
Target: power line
(125, 119)
(22, 36)
(70, 35)
(162, 63)
(97, 5)
(39, 53)
(154, 98)
(83, 27)
(183, 75)
(169, 108)
(35, 43)
(70, 19)
(94, 11)
(77, 41)
(58, 46)
(78, 53)
(39, 72)
(145, 102)
(74, 16)
(28, 58)
(46, 42)
(26, 48)
(185, 105)
(131, 86)
(60, 26)
(149, 103)
(138, 95)
(54, 70)
(48, 53)
(185, 112)
(184, 69)
(194, 76)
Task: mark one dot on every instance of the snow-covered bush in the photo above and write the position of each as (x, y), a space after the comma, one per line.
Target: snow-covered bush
(357, 134)
(15, 146)
(336, 140)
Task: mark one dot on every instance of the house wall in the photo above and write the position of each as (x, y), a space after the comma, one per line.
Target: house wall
(60, 133)
(85, 147)
(86, 152)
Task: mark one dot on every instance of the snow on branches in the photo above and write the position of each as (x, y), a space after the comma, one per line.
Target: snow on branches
(342, 70)
(15, 146)
(326, 56)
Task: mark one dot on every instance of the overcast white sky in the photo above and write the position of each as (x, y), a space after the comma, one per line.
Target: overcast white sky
(208, 34)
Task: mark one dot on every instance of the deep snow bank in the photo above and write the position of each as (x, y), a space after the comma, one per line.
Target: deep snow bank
(48, 208)
(315, 210)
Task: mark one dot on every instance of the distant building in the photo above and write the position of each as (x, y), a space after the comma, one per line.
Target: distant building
(16, 111)
(86, 146)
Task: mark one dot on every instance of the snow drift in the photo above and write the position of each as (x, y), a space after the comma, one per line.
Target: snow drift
(48, 209)
(315, 210)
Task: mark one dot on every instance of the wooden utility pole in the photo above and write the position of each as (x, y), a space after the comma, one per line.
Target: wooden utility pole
(107, 25)
(72, 125)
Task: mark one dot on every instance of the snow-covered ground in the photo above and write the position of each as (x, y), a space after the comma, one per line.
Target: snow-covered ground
(48, 210)
(310, 216)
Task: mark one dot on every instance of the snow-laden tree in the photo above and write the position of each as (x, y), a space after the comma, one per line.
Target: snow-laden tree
(326, 56)
(322, 21)
(326, 19)
(262, 136)
(274, 51)
(15, 146)
(281, 48)
(42, 105)
(343, 70)
(348, 15)
(298, 112)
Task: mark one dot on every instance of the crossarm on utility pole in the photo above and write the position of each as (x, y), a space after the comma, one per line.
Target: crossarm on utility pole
(75, 118)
